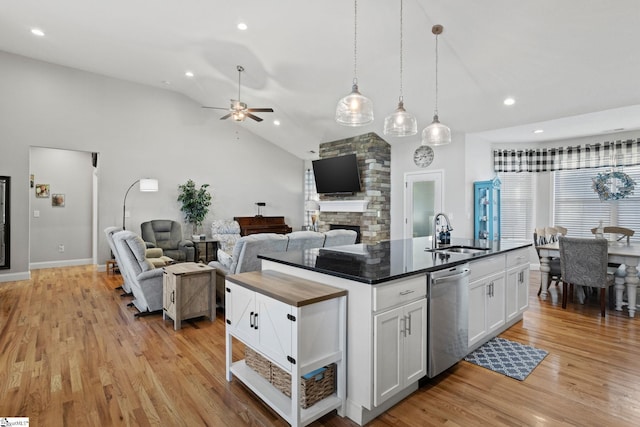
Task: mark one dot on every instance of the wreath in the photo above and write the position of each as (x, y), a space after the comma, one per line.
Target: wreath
(623, 188)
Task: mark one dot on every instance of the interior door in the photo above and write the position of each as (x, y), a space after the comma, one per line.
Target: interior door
(423, 199)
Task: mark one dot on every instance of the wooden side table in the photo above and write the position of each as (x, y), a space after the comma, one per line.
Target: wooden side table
(188, 292)
(210, 250)
(111, 265)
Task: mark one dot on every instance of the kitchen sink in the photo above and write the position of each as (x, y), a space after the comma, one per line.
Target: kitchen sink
(469, 250)
(465, 250)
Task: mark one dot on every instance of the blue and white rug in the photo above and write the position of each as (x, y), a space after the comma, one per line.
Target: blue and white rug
(509, 358)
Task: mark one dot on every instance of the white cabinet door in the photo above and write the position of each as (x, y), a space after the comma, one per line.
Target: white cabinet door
(240, 311)
(415, 341)
(274, 327)
(400, 341)
(477, 311)
(517, 291)
(387, 357)
(486, 306)
(523, 289)
(261, 322)
(495, 302)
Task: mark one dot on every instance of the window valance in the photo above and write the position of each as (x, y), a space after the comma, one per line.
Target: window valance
(605, 154)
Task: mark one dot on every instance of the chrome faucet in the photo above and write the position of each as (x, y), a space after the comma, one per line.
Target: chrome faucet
(434, 242)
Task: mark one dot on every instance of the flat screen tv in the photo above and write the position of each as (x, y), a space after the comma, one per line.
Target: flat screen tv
(336, 175)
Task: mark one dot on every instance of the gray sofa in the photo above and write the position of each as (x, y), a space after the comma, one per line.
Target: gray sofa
(246, 250)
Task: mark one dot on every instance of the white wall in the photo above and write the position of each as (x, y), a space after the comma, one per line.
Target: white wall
(458, 186)
(67, 172)
(138, 131)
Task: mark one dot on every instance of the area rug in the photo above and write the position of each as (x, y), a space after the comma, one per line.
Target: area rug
(509, 358)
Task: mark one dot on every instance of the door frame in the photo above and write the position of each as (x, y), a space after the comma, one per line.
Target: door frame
(419, 176)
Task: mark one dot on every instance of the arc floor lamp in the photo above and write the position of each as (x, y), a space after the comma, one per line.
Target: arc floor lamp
(146, 185)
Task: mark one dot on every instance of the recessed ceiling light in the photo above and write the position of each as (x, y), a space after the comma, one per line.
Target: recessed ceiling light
(242, 26)
(538, 131)
(509, 101)
(276, 122)
(189, 74)
(37, 32)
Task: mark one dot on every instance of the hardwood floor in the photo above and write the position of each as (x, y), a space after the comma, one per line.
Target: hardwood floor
(72, 354)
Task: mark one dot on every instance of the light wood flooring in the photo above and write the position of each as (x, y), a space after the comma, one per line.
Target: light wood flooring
(72, 354)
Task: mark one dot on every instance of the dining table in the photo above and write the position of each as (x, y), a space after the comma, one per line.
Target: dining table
(625, 278)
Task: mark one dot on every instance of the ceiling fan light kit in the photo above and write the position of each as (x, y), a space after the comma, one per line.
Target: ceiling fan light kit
(436, 133)
(354, 109)
(238, 110)
(400, 122)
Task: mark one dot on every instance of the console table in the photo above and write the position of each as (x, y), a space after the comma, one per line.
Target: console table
(294, 323)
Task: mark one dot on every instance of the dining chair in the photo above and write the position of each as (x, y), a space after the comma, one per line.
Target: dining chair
(543, 236)
(583, 262)
(618, 232)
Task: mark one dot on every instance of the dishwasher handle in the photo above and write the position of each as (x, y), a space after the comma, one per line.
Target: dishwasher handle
(452, 278)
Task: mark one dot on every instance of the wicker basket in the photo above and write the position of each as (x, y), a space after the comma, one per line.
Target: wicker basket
(313, 388)
(258, 363)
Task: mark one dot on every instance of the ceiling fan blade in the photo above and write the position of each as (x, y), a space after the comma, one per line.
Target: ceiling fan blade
(215, 108)
(256, 118)
(261, 110)
(226, 116)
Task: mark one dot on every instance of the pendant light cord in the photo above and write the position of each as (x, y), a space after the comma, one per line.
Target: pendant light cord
(401, 56)
(436, 109)
(355, 42)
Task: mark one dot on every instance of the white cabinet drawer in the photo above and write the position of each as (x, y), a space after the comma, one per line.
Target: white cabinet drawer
(517, 257)
(486, 266)
(399, 292)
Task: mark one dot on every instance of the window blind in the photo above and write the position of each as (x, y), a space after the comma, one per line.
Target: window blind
(517, 205)
(578, 208)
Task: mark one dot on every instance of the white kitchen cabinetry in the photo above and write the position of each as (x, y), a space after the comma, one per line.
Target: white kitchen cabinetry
(400, 342)
(517, 284)
(486, 298)
(297, 325)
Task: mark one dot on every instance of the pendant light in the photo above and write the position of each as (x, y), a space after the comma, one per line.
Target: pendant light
(400, 123)
(354, 109)
(436, 133)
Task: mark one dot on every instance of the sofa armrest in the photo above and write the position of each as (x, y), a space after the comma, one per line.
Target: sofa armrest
(220, 268)
(186, 243)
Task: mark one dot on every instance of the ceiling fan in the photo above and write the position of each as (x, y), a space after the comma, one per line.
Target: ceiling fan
(238, 110)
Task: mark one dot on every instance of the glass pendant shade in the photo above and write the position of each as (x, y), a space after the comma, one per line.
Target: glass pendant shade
(436, 133)
(400, 123)
(354, 109)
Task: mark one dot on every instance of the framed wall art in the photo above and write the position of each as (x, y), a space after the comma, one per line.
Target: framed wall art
(42, 191)
(57, 200)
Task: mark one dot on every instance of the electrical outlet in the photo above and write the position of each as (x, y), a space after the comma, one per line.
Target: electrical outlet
(60, 248)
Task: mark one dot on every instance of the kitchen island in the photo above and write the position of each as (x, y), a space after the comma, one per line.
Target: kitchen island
(387, 306)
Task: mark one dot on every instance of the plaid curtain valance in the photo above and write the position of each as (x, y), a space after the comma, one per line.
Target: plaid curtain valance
(618, 153)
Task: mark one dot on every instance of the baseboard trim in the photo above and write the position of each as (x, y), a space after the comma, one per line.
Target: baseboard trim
(15, 277)
(64, 263)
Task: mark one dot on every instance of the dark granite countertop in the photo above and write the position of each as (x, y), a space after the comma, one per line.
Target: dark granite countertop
(385, 261)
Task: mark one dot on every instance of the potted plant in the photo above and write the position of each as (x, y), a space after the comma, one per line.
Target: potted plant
(195, 204)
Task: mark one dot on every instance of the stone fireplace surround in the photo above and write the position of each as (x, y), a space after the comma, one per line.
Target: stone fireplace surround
(370, 208)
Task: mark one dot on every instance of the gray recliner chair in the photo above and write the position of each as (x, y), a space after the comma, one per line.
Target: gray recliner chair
(166, 234)
(139, 272)
(301, 240)
(109, 232)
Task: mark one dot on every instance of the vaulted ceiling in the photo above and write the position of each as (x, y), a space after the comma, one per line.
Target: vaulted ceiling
(572, 66)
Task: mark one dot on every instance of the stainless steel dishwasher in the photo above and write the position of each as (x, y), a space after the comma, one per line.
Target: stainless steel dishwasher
(448, 318)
